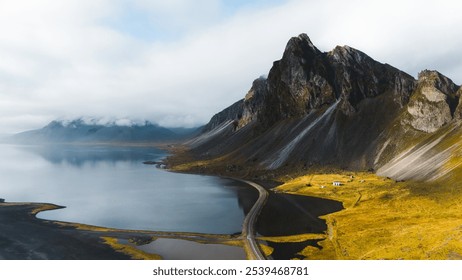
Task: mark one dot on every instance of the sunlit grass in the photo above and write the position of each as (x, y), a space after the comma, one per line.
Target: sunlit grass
(265, 249)
(129, 250)
(234, 242)
(44, 207)
(384, 219)
(293, 238)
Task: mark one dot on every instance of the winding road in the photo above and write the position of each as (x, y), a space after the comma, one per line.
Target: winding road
(248, 227)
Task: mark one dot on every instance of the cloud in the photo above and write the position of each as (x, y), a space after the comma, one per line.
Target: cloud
(179, 62)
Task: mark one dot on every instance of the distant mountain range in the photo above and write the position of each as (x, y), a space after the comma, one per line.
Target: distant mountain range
(340, 109)
(94, 130)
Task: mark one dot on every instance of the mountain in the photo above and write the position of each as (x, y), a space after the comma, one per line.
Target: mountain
(339, 109)
(84, 130)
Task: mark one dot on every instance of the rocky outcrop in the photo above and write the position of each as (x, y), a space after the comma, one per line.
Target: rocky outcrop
(306, 79)
(433, 103)
(458, 111)
(232, 113)
(357, 77)
(297, 83)
(253, 101)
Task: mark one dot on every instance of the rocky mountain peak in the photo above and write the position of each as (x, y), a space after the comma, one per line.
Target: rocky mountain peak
(301, 45)
(434, 79)
(434, 102)
(347, 54)
(306, 79)
(358, 77)
(296, 83)
(340, 108)
(258, 86)
(253, 101)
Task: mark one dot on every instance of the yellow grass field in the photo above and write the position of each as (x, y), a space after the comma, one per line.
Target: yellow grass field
(384, 219)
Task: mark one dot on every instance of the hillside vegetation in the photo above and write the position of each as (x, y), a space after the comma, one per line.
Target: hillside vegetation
(384, 219)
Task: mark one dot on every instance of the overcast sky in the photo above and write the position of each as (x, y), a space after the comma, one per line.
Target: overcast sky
(178, 62)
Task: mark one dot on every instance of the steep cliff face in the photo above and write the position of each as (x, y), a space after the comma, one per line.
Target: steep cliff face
(254, 102)
(296, 83)
(458, 112)
(433, 103)
(357, 77)
(340, 108)
(423, 141)
(232, 113)
(306, 79)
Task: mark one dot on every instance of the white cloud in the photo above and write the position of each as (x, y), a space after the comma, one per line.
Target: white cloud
(63, 59)
(181, 14)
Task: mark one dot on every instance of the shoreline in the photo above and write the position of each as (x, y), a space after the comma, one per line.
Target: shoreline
(73, 241)
(251, 246)
(25, 237)
(182, 162)
(94, 235)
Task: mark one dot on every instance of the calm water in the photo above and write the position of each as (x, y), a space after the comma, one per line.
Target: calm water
(175, 249)
(109, 186)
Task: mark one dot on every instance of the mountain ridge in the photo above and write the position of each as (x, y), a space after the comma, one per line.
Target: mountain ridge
(92, 130)
(340, 109)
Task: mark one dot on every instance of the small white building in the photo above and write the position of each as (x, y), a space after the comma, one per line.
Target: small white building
(337, 183)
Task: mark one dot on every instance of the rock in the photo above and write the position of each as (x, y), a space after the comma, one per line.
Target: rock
(432, 103)
(458, 111)
(306, 79)
(357, 77)
(253, 102)
(233, 112)
(297, 83)
(337, 108)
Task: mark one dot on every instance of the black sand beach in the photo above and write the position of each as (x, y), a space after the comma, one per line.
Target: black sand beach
(24, 237)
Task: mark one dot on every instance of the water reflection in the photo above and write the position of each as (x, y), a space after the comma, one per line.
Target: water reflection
(286, 214)
(177, 249)
(109, 186)
(78, 155)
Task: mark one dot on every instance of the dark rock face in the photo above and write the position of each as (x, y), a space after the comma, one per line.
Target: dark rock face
(357, 77)
(306, 79)
(458, 112)
(254, 101)
(330, 108)
(233, 112)
(297, 83)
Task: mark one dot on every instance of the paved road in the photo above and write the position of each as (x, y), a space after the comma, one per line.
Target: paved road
(248, 227)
